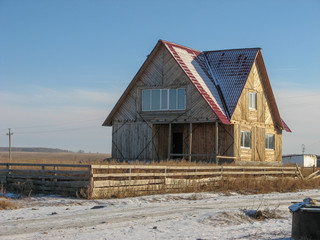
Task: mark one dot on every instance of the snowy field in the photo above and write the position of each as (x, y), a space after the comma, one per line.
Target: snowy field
(171, 216)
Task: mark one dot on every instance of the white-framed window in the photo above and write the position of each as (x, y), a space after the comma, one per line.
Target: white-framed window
(270, 141)
(163, 99)
(253, 100)
(245, 139)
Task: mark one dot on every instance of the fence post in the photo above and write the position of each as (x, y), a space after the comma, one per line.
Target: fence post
(8, 172)
(91, 175)
(54, 173)
(42, 179)
(129, 171)
(165, 175)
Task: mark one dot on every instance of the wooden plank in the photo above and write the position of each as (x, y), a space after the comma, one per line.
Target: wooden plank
(226, 157)
(46, 165)
(130, 188)
(49, 172)
(260, 173)
(190, 141)
(312, 175)
(169, 141)
(45, 176)
(316, 177)
(70, 184)
(114, 183)
(299, 171)
(177, 174)
(58, 190)
(126, 166)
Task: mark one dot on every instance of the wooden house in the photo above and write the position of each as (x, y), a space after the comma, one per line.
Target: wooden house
(195, 105)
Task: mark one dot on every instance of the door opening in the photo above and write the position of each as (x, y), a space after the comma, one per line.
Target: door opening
(177, 144)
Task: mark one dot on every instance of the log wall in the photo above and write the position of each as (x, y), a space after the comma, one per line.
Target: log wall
(258, 122)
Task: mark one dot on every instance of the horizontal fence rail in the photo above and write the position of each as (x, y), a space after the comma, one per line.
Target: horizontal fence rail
(107, 180)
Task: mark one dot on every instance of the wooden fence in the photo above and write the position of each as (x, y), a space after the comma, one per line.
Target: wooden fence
(66, 179)
(111, 180)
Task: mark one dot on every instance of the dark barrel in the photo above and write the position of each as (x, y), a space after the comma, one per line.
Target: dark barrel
(306, 224)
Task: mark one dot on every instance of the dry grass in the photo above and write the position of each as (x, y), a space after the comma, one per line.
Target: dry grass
(252, 185)
(55, 158)
(6, 204)
(226, 186)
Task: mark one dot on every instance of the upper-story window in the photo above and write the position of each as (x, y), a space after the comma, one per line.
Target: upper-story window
(270, 141)
(163, 99)
(245, 139)
(253, 100)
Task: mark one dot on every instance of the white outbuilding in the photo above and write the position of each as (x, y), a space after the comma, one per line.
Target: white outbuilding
(303, 160)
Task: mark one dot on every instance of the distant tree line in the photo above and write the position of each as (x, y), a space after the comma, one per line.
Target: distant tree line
(33, 149)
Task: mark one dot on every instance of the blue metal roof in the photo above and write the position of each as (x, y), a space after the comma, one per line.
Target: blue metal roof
(230, 69)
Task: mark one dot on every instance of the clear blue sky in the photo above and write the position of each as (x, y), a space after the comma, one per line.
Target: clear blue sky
(64, 64)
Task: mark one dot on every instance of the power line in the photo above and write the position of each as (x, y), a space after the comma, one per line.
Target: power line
(55, 125)
(58, 130)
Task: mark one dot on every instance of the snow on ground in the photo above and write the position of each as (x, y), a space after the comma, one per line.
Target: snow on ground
(170, 216)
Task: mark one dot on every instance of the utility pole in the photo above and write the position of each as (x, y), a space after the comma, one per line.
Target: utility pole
(9, 134)
(303, 148)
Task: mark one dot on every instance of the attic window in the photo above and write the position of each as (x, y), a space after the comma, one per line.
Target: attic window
(163, 99)
(252, 100)
(270, 141)
(245, 139)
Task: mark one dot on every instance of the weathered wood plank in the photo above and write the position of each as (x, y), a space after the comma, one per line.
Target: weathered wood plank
(113, 183)
(47, 172)
(197, 173)
(12, 176)
(126, 166)
(46, 165)
(67, 184)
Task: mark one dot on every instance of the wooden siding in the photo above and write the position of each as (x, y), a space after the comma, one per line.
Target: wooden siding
(164, 72)
(131, 141)
(258, 122)
(203, 140)
(144, 135)
(160, 142)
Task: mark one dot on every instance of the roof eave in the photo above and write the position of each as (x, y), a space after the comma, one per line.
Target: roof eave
(269, 93)
(285, 126)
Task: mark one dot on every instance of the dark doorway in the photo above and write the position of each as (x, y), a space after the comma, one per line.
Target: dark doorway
(177, 144)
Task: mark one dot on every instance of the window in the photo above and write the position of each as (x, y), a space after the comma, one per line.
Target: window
(245, 139)
(155, 99)
(163, 99)
(172, 99)
(270, 141)
(146, 103)
(252, 100)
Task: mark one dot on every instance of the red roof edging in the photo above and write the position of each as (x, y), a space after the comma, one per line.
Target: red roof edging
(193, 79)
(285, 126)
